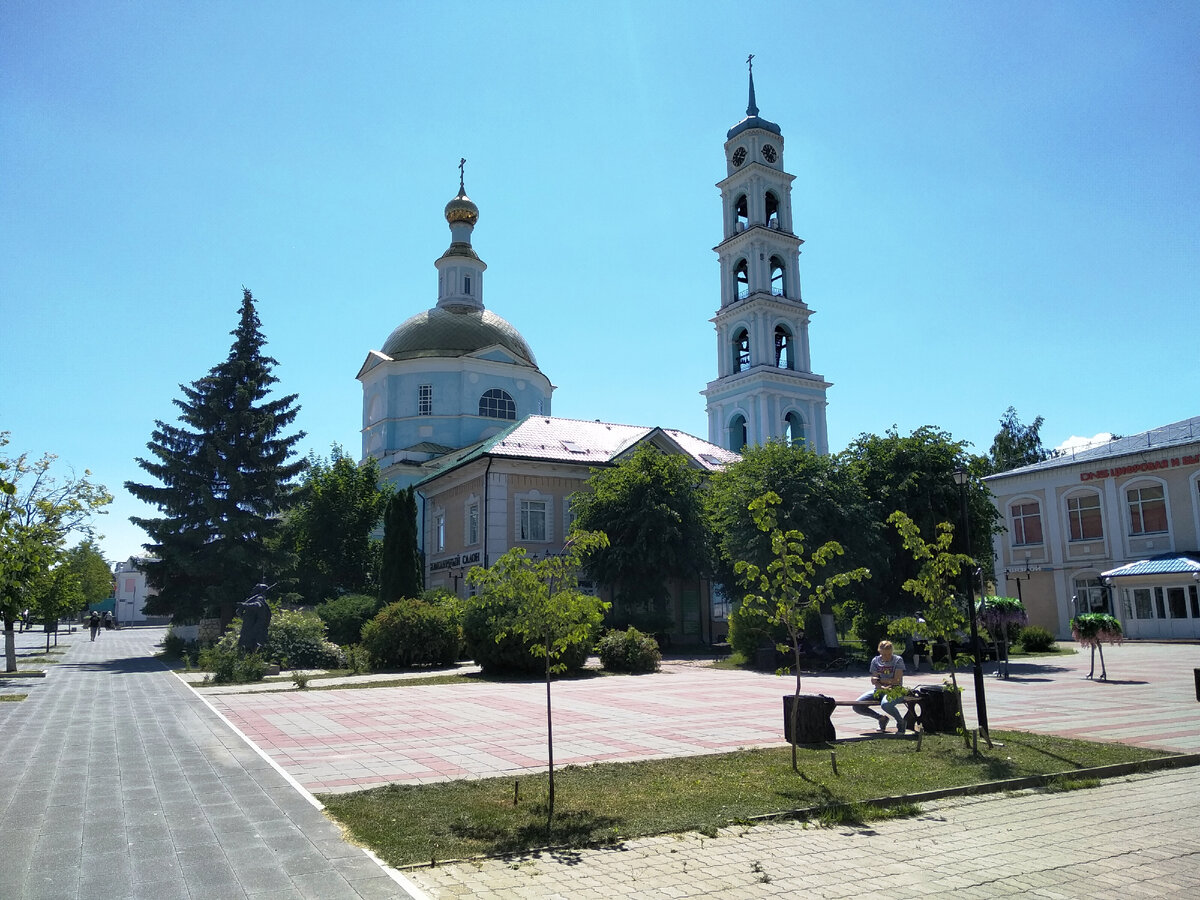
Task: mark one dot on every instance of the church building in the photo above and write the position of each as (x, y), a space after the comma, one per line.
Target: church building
(455, 404)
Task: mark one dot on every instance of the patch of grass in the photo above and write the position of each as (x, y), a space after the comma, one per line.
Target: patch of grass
(1062, 785)
(735, 660)
(12, 698)
(44, 660)
(610, 802)
(1055, 650)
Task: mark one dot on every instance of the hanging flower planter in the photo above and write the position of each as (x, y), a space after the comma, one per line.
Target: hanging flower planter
(1094, 630)
(996, 614)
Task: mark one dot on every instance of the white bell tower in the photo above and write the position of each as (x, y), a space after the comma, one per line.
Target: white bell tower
(765, 387)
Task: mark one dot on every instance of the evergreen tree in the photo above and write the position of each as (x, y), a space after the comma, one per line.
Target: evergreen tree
(401, 574)
(1017, 445)
(224, 477)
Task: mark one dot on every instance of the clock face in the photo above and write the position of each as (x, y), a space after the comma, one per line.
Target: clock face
(739, 156)
(768, 153)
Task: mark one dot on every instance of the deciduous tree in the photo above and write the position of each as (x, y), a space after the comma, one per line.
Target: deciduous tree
(221, 480)
(1017, 445)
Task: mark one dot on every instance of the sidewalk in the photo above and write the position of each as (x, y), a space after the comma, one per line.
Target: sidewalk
(120, 783)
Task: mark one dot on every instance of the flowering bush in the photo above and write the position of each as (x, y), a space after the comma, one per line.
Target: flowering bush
(1091, 629)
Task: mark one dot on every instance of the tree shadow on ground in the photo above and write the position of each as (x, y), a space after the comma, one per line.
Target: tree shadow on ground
(131, 665)
(572, 828)
(1114, 681)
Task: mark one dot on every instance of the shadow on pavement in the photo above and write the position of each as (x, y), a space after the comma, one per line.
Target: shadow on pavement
(127, 666)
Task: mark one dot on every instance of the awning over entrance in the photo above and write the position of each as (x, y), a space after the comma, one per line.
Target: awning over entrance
(1166, 564)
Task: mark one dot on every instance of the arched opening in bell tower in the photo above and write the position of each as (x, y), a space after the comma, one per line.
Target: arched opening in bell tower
(778, 287)
(737, 433)
(772, 210)
(741, 279)
(741, 351)
(783, 348)
(741, 213)
(794, 431)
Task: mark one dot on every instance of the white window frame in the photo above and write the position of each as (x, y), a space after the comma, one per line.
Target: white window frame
(1012, 518)
(424, 399)
(439, 531)
(1140, 486)
(471, 529)
(521, 517)
(1077, 514)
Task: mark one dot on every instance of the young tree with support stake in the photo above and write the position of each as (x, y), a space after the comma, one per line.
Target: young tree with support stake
(786, 590)
(933, 586)
(549, 611)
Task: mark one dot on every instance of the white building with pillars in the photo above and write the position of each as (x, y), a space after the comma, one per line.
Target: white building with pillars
(1112, 528)
(765, 387)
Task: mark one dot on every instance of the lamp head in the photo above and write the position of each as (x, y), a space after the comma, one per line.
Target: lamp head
(961, 476)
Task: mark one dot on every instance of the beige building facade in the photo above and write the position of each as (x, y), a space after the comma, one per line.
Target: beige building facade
(1113, 528)
(515, 490)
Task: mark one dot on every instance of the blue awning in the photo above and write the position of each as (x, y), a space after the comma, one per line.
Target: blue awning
(1167, 564)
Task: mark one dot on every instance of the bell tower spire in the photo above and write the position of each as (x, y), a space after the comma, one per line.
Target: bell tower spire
(765, 388)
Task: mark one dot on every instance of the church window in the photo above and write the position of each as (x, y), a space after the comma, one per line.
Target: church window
(777, 285)
(737, 433)
(741, 351)
(497, 404)
(783, 348)
(1027, 523)
(772, 204)
(741, 212)
(424, 399)
(533, 520)
(794, 431)
(466, 284)
(741, 279)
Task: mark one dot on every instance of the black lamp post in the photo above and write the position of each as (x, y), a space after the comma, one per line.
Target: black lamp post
(961, 477)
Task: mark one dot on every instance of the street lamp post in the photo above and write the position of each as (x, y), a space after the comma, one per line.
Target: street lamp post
(961, 477)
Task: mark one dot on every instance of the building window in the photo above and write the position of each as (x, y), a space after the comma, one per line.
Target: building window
(777, 284)
(741, 351)
(439, 532)
(467, 284)
(568, 515)
(1147, 510)
(772, 210)
(497, 404)
(1027, 523)
(1083, 516)
(793, 426)
(533, 520)
(473, 524)
(1090, 596)
(741, 280)
(737, 433)
(424, 399)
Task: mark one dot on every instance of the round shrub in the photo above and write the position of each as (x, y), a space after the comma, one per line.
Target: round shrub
(749, 629)
(629, 651)
(298, 639)
(481, 622)
(345, 616)
(1036, 639)
(412, 633)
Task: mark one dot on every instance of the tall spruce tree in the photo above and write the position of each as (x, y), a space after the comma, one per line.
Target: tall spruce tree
(400, 571)
(224, 476)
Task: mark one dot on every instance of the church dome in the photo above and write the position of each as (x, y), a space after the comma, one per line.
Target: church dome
(455, 332)
(462, 209)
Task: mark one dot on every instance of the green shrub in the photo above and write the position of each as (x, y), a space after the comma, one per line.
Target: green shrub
(175, 647)
(749, 629)
(229, 665)
(482, 621)
(1036, 639)
(412, 633)
(299, 640)
(629, 651)
(345, 616)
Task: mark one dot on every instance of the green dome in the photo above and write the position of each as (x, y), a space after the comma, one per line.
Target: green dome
(454, 332)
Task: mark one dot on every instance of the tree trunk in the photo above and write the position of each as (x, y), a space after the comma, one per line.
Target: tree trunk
(796, 708)
(829, 629)
(962, 720)
(10, 646)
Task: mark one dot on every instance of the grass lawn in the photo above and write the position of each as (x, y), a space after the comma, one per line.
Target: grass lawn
(607, 802)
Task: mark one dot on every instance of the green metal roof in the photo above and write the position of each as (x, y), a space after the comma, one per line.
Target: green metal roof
(455, 332)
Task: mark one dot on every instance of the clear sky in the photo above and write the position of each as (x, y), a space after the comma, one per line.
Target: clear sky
(1000, 204)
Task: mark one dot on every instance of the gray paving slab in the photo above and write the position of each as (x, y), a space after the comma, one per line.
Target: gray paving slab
(120, 782)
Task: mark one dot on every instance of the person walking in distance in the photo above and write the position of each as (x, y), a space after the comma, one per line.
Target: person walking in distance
(887, 672)
(94, 623)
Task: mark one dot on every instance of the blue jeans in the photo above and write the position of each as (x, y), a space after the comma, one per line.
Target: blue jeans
(888, 706)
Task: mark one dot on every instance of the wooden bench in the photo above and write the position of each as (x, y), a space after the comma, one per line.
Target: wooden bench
(911, 701)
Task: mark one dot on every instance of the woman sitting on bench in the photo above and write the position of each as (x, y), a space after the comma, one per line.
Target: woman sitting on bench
(887, 671)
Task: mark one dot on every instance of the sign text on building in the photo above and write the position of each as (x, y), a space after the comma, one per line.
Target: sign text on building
(1154, 465)
(452, 562)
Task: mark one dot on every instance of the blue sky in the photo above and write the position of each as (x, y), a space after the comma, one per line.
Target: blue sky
(1000, 204)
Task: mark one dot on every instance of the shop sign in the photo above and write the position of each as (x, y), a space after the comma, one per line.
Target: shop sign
(453, 562)
(1152, 466)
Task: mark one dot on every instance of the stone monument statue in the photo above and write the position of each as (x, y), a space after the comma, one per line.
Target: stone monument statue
(256, 617)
